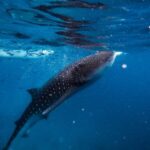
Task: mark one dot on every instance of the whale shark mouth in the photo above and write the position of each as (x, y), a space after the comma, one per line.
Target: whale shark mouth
(25, 54)
(115, 55)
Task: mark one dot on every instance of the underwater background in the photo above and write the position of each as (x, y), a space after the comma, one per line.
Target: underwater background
(38, 38)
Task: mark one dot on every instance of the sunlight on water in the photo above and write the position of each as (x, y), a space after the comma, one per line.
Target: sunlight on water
(25, 54)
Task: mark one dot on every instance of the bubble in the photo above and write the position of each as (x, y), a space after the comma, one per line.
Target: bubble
(124, 137)
(83, 109)
(124, 66)
(73, 121)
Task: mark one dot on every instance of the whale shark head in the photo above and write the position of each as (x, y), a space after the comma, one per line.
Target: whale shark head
(86, 68)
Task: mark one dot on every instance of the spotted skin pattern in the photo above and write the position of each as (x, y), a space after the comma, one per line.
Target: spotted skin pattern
(55, 91)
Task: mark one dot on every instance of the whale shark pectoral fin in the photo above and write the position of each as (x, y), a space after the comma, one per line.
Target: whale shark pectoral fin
(34, 92)
(46, 112)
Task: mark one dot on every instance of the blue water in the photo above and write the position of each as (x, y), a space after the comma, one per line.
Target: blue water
(111, 114)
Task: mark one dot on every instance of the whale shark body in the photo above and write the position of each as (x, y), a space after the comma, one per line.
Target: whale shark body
(55, 91)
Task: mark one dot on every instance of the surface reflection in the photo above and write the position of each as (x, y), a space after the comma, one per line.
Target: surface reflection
(44, 22)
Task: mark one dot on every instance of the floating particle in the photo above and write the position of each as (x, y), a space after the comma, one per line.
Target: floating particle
(124, 137)
(146, 122)
(91, 114)
(61, 139)
(73, 121)
(129, 106)
(124, 66)
(83, 109)
(70, 147)
(116, 141)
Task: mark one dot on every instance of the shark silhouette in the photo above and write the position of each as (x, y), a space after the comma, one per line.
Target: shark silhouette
(55, 91)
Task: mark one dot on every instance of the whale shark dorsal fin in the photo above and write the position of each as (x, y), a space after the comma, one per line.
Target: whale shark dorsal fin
(34, 92)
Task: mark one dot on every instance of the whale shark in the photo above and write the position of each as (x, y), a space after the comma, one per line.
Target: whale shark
(57, 90)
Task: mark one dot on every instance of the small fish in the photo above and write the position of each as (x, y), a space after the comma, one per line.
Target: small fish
(57, 90)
